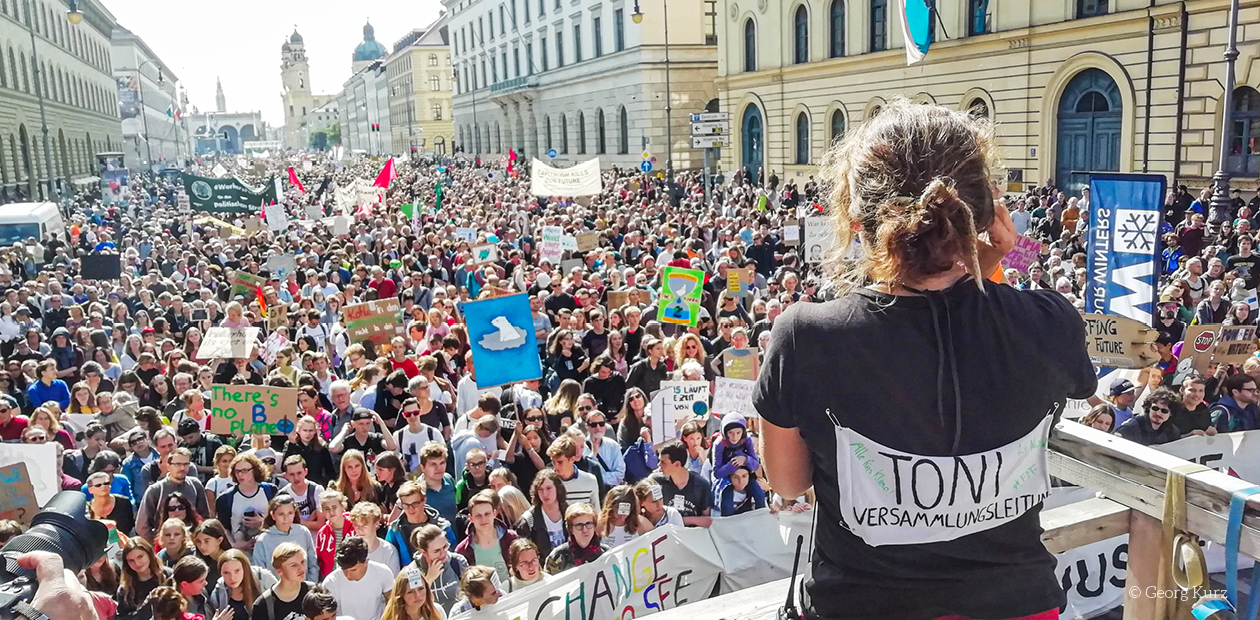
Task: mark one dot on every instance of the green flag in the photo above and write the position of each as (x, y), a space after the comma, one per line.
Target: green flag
(407, 210)
(437, 203)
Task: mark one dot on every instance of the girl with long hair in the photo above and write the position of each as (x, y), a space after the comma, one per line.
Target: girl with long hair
(238, 586)
(142, 572)
(407, 603)
(544, 523)
(390, 474)
(102, 576)
(176, 543)
(44, 416)
(179, 506)
(82, 400)
(525, 564)
(617, 351)
(619, 519)
(561, 408)
(354, 480)
(633, 417)
(282, 527)
(211, 541)
(307, 442)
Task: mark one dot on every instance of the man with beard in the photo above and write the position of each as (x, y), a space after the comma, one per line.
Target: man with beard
(1166, 321)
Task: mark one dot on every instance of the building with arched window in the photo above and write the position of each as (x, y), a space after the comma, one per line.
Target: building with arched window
(586, 79)
(1065, 84)
(76, 80)
(420, 89)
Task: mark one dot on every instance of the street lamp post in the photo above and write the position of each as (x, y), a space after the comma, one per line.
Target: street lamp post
(1220, 197)
(144, 115)
(637, 16)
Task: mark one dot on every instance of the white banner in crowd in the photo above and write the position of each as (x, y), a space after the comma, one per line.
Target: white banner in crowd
(579, 180)
(1092, 576)
(662, 569)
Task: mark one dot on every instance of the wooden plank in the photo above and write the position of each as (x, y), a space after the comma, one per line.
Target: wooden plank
(1135, 476)
(1076, 525)
(1146, 536)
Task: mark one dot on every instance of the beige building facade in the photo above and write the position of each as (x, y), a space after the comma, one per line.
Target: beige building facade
(419, 72)
(1071, 85)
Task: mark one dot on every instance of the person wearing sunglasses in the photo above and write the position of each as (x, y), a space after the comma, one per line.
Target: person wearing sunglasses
(1152, 427)
(584, 544)
(1236, 410)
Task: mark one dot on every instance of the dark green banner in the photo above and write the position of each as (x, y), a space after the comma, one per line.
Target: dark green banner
(229, 195)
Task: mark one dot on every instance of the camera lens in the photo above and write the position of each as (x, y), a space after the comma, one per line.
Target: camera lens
(63, 528)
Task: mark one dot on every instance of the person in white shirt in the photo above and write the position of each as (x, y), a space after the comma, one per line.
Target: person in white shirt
(467, 393)
(359, 585)
(366, 516)
(652, 503)
(413, 436)
(580, 487)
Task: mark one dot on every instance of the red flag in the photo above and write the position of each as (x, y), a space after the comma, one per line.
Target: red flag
(293, 180)
(387, 174)
(511, 159)
(262, 300)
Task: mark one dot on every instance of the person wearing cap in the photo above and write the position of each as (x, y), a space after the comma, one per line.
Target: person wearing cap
(1122, 395)
(358, 435)
(1167, 322)
(200, 443)
(11, 423)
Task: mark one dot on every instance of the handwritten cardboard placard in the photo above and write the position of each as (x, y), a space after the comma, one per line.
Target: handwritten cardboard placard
(1200, 344)
(17, 495)
(1024, 254)
(567, 266)
(271, 347)
(314, 212)
(253, 223)
(617, 299)
(466, 234)
(1119, 342)
(740, 363)
(677, 403)
(568, 243)
(373, 321)
(1235, 344)
(41, 465)
(277, 316)
(733, 396)
(587, 241)
(281, 265)
(245, 283)
(550, 249)
(341, 225)
(228, 343)
(253, 409)
(482, 254)
(277, 219)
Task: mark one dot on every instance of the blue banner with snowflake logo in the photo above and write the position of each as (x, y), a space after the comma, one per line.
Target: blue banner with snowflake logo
(1125, 211)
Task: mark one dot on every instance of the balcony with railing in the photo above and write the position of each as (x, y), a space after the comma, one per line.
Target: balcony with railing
(510, 86)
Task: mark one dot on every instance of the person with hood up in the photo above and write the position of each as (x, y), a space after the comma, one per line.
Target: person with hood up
(1236, 411)
(69, 357)
(735, 450)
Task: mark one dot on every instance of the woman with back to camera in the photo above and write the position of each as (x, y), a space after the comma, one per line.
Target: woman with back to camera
(944, 370)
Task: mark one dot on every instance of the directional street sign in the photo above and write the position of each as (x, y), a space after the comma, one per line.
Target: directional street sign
(711, 128)
(708, 142)
(705, 117)
(645, 166)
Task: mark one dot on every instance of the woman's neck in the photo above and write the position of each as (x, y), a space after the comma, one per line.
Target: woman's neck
(938, 282)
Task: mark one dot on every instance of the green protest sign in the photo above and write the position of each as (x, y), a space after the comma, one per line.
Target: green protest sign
(229, 195)
(253, 409)
(245, 283)
(681, 290)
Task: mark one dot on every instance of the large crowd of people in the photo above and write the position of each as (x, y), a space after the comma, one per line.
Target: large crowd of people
(406, 490)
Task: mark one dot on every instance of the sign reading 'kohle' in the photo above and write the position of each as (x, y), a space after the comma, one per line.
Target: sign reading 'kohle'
(373, 321)
(1118, 342)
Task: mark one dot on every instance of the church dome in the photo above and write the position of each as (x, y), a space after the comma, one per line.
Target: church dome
(295, 37)
(284, 47)
(369, 49)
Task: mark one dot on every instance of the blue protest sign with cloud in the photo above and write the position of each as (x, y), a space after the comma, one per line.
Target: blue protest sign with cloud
(501, 334)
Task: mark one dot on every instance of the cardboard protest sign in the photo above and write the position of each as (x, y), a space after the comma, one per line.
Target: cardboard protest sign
(740, 363)
(341, 225)
(733, 396)
(271, 347)
(41, 466)
(100, 266)
(245, 283)
(281, 265)
(617, 299)
(1024, 254)
(277, 315)
(568, 243)
(17, 495)
(277, 219)
(818, 238)
(550, 249)
(567, 266)
(677, 403)
(314, 212)
(587, 241)
(1119, 342)
(791, 233)
(373, 321)
(1209, 345)
(502, 339)
(681, 291)
(1200, 344)
(253, 223)
(488, 253)
(228, 343)
(253, 409)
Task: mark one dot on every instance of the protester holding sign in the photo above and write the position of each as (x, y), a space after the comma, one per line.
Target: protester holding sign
(915, 183)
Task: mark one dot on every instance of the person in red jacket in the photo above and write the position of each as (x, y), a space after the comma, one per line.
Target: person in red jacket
(384, 286)
(335, 530)
(490, 536)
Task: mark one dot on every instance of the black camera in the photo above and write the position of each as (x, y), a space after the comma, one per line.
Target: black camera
(62, 528)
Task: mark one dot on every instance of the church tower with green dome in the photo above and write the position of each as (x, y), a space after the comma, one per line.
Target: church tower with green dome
(367, 51)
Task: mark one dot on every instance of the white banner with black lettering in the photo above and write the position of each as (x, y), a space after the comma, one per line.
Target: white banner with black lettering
(579, 180)
(890, 497)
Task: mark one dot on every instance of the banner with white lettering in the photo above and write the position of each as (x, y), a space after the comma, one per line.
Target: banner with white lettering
(889, 497)
(1124, 245)
(578, 180)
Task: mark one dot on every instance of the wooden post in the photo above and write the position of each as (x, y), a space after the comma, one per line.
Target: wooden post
(1146, 536)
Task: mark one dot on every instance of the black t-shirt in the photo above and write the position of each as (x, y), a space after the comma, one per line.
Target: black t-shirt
(374, 445)
(691, 500)
(1187, 420)
(1246, 266)
(1018, 355)
(284, 610)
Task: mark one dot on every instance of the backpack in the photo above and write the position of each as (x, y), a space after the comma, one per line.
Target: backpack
(269, 599)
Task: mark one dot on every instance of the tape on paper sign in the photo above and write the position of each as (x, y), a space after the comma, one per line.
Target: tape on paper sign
(657, 493)
(414, 578)
(623, 509)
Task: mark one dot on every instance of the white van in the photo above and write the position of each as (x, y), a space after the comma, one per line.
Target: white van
(22, 220)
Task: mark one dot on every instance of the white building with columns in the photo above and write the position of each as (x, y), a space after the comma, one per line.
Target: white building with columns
(582, 77)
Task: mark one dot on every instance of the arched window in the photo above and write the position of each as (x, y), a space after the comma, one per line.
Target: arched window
(437, 111)
(433, 60)
(837, 28)
(800, 37)
(601, 144)
(624, 134)
(978, 108)
(750, 45)
(837, 125)
(1244, 135)
(879, 25)
(802, 139)
(435, 82)
(581, 133)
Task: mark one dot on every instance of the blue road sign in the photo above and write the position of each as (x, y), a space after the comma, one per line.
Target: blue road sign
(645, 166)
(552, 153)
